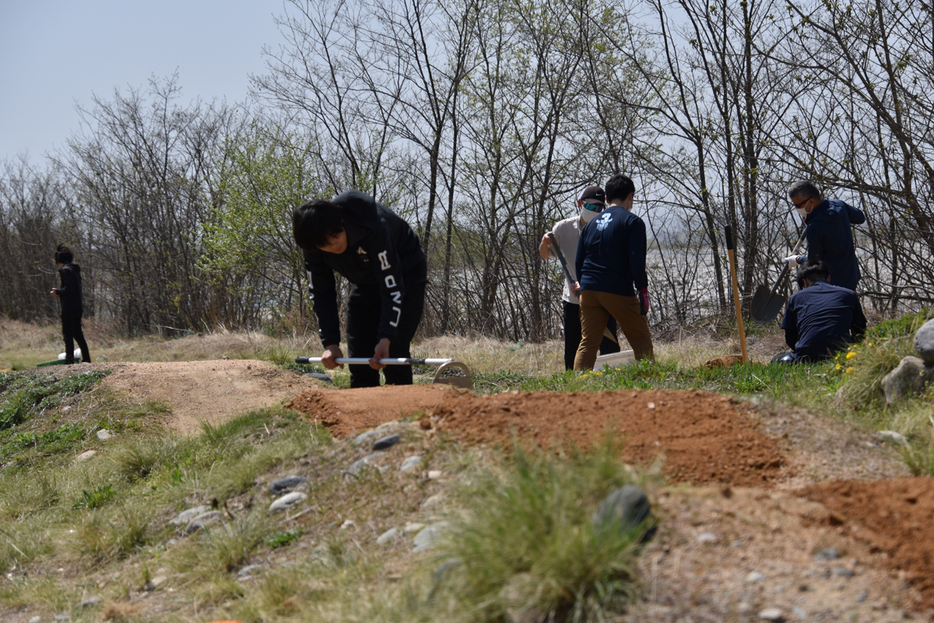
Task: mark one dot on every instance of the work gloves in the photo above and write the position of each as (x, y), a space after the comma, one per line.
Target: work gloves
(644, 301)
(795, 260)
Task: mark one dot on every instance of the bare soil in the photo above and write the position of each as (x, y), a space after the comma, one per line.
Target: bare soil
(752, 488)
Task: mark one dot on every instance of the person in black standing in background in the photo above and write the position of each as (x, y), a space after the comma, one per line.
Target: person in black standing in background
(72, 304)
(376, 251)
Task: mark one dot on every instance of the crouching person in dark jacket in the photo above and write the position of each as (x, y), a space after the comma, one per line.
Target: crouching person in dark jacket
(72, 304)
(380, 255)
(820, 318)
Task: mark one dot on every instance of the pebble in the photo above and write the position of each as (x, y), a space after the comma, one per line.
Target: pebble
(358, 465)
(248, 570)
(387, 536)
(413, 462)
(287, 501)
(36, 619)
(433, 500)
(863, 596)
(771, 614)
(755, 576)
(892, 437)
(412, 527)
(434, 474)
(365, 438)
(62, 617)
(707, 537)
(201, 521)
(84, 456)
(104, 434)
(387, 442)
(829, 553)
(187, 515)
(87, 602)
(155, 583)
(348, 524)
(287, 483)
(843, 572)
(428, 537)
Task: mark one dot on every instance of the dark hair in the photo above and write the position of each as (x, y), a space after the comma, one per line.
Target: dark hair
(804, 189)
(619, 187)
(63, 255)
(316, 221)
(813, 270)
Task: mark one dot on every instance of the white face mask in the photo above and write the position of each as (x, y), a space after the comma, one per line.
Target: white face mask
(802, 212)
(588, 215)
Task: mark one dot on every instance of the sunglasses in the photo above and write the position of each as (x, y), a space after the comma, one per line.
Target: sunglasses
(593, 207)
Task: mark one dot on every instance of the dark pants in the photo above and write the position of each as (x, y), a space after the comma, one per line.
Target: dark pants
(71, 331)
(363, 315)
(572, 335)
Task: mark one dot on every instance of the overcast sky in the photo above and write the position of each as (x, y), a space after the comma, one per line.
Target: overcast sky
(55, 54)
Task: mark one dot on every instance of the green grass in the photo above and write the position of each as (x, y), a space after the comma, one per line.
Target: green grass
(25, 393)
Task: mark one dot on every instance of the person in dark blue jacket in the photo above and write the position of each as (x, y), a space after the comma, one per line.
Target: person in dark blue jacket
(380, 255)
(828, 233)
(611, 275)
(72, 304)
(821, 318)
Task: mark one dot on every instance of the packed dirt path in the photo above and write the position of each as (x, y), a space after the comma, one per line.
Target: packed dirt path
(752, 488)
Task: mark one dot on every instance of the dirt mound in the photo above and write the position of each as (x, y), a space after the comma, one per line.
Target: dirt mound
(704, 437)
(895, 516)
(349, 411)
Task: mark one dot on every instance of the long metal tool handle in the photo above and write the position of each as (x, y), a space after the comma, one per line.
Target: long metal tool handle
(564, 262)
(394, 361)
(736, 301)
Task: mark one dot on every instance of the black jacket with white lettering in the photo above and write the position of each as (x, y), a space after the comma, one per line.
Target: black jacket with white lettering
(382, 252)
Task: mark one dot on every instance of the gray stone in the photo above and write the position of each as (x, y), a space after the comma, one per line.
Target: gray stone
(626, 509)
(35, 619)
(287, 483)
(924, 342)
(905, 381)
(428, 537)
(366, 438)
(413, 462)
(202, 521)
(287, 501)
(707, 537)
(84, 456)
(771, 614)
(187, 515)
(843, 572)
(384, 443)
(755, 576)
(387, 536)
(155, 583)
(892, 437)
(800, 613)
(432, 501)
(104, 434)
(320, 376)
(863, 596)
(62, 617)
(358, 465)
(409, 528)
(828, 553)
(248, 570)
(87, 602)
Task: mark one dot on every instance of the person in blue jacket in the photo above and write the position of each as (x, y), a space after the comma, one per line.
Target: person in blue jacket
(611, 275)
(829, 236)
(72, 302)
(820, 318)
(380, 255)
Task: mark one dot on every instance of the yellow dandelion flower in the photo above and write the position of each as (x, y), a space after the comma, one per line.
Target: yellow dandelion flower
(850, 354)
(849, 370)
(839, 366)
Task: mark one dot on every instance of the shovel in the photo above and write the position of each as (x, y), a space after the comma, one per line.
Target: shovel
(567, 273)
(765, 302)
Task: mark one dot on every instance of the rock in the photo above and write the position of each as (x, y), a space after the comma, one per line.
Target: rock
(36, 619)
(287, 501)
(248, 570)
(87, 602)
(843, 572)
(62, 617)
(187, 515)
(365, 438)
(434, 474)
(320, 376)
(358, 465)
(387, 536)
(431, 501)
(771, 614)
(202, 521)
(829, 553)
(755, 576)
(707, 537)
(104, 434)
(84, 456)
(348, 524)
(154, 583)
(627, 509)
(409, 528)
(863, 596)
(905, 381)
(892, 437)
(428, 537)
(386, 442)
(280, 486)
(924, 342)
(413, 462)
